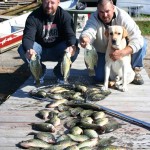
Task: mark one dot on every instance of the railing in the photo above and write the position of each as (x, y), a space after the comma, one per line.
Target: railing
(133, 11)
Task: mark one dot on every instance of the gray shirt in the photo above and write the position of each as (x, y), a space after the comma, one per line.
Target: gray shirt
(95, 30)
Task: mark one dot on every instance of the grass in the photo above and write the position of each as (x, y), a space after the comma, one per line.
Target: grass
(144, 27)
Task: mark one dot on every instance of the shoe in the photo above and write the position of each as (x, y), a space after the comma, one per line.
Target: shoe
(59, 81)
(138, 80)
(44, 72)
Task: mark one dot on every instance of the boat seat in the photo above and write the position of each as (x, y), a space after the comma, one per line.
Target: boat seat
(68, 4)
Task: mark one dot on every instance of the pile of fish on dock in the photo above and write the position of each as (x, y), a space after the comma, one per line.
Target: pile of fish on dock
(69, 121)
(68, 92)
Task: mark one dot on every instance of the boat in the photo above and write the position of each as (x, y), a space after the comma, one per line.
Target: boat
(11, 32)
(68, 4)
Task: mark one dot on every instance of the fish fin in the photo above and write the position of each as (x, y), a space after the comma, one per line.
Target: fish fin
(37, 83)
(70, 62)
(86, 64)
(31, 133)
(61, 69)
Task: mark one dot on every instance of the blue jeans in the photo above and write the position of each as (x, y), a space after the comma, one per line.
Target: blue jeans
(49, 54)
(136, 61)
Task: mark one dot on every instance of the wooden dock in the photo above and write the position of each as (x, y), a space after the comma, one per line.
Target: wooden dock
(19, 111)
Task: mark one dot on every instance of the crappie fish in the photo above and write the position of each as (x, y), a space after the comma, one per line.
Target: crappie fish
(62, 107)
(102, 121)
(55, 89)
(64, 114)
(73, 147)
(76, 130)
(52, 114)
(35, 68)
(85, 106)
(90, 133)
(45, 127)
(45, 136)
(106, 141)
(87, 119)
(56, 103)
(85, 125)
(72, 123)
(90, 59)
(55, 121)
(38, 94)
(98, 115)
(85, 148)
(78, 138)
(75, 111)
(111, 126)
(65, 65)
(88, 143)
(63, 137)
(80, 88)
(86, 113)
(55, 96)
(64, 144)
(34, 143)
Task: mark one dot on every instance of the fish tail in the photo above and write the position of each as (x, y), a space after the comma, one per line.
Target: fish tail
(91, 72)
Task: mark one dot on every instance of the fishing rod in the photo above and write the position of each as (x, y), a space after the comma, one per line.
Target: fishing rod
(126, 118)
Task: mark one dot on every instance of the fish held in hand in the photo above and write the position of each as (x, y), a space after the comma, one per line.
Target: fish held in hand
(90, 59)
(65, 65)
(35, 68)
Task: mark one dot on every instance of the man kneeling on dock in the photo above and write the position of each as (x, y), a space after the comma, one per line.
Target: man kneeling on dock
(49, 32)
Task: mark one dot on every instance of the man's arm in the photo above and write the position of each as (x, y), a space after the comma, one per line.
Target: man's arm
(29, 34)
(89, 32)
(118, 54)
(69, 30)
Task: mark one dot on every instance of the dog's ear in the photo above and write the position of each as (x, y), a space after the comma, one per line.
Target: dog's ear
(106, 33)
(125, 33)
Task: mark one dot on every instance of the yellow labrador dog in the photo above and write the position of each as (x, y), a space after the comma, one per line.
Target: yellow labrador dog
(120, 70)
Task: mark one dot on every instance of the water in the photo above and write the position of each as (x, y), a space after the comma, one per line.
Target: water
(144, 3)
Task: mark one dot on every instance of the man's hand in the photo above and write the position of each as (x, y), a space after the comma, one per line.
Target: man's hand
(29, 53)
(71, 49)
(84, 41)
(116, 55)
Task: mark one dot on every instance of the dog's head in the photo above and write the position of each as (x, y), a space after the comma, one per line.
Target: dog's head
(115, 35)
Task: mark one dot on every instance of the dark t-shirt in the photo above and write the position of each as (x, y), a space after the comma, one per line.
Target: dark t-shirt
(48, 30)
